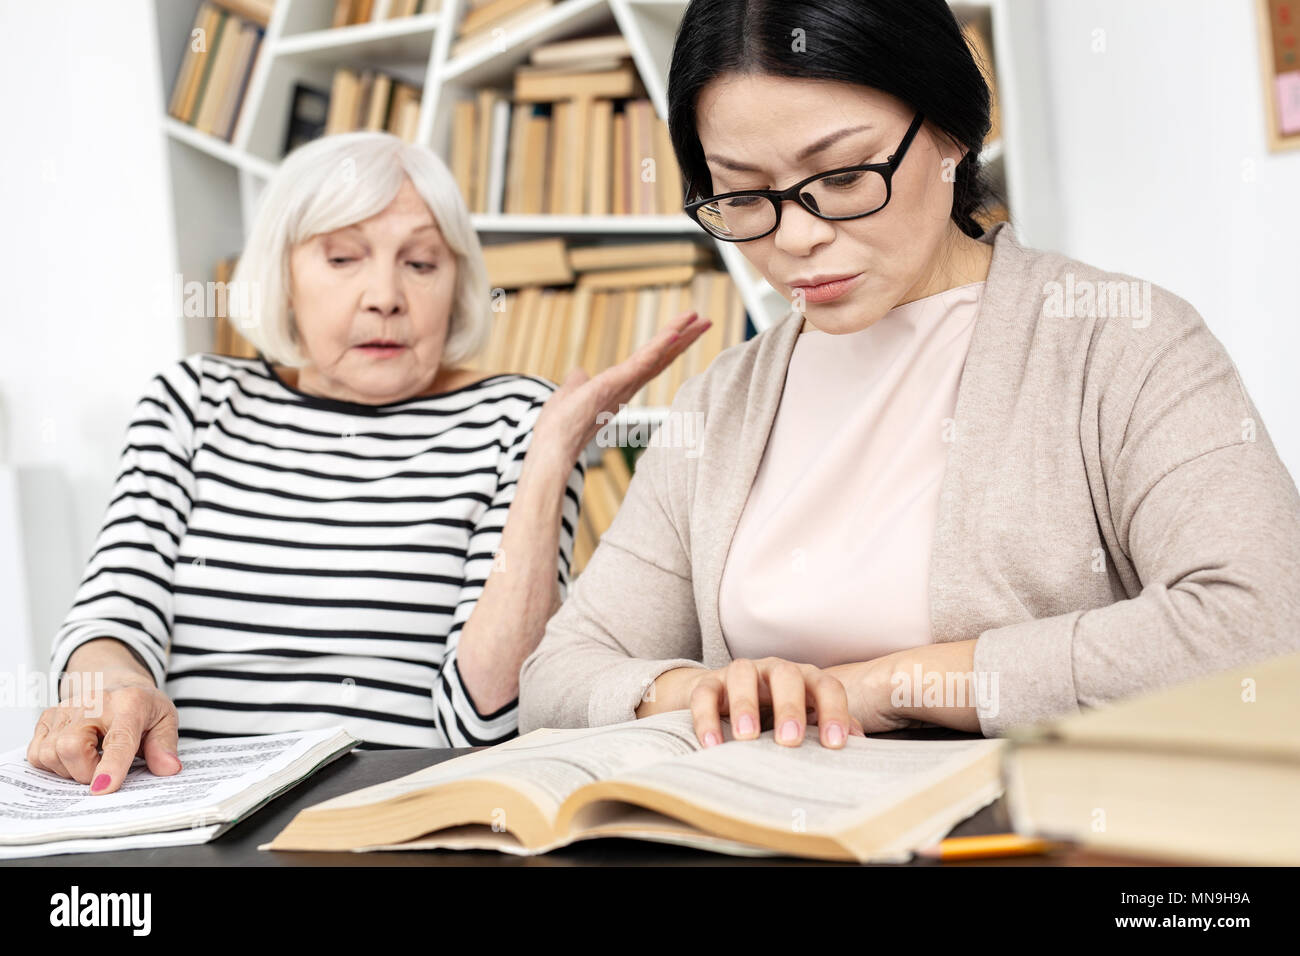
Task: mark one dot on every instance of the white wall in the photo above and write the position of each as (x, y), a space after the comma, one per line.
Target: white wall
(86, 243)
(1165, 173)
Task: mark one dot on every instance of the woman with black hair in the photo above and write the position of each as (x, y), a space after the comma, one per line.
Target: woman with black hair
(962, 482)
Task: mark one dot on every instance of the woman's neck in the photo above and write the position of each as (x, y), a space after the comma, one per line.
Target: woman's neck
(962, 261)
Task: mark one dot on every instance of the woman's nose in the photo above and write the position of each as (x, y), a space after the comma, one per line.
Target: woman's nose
(800, 231)
(383, 292)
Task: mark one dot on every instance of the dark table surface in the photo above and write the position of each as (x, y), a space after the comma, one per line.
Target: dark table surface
(352, 771)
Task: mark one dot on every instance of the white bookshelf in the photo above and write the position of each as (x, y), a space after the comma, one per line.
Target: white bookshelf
(215, 185)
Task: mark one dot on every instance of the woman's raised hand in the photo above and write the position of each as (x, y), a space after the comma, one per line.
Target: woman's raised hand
(783, 694)
(128, 713)
(571, 416)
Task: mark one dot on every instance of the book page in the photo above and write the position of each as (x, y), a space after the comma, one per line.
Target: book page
(547, 765)
(38, 805)
(809, 788)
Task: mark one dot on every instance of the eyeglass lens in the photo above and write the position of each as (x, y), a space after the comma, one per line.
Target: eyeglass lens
(835, 195)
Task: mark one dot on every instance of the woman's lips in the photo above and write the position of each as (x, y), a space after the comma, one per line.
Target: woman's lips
(827, 291)
(380, 351)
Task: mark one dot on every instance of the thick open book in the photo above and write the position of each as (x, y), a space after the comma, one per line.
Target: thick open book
(1206, 771)
(874, 800)
(220, 782)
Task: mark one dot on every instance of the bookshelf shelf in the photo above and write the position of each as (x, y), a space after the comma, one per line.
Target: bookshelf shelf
(495, 61)
(403, 39)
(217, 148)
(579, 225)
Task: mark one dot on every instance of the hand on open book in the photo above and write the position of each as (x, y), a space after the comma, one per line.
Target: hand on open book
(771, 693)
(128, 713)
(571, 416)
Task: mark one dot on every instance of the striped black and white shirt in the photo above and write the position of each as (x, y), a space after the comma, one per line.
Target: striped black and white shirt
(283, 561)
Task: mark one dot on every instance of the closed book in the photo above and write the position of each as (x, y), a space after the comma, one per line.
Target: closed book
(212, 39)
(548, 87)
(651, 275)
(575, 51)
(219, 78)
(511, 265)
(619, 165)
(536, 143)
(344, 92)
(633, 254)
(463, 118)
(187, 74)
(1206, 771)
(600, 124)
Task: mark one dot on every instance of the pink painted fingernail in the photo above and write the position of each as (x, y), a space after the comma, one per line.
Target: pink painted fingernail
(710, 739)
(101, 782)
(789, 731)
(745, 725)
(834, 735)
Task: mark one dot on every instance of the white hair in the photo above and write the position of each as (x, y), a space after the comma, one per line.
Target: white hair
(337, 181)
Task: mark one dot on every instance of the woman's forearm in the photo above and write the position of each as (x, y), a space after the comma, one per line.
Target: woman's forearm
(934, 683)
(521, 592)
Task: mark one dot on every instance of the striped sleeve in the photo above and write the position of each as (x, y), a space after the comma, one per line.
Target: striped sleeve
(457, 716)
(126, 591)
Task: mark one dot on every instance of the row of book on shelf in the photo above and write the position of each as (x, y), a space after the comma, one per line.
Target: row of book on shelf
(350, 12)
(602, 494)
(593, 307)
(575, 135)
(219, 57)
(483, 22)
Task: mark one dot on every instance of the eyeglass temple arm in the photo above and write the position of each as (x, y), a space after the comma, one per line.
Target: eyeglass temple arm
(907, 139)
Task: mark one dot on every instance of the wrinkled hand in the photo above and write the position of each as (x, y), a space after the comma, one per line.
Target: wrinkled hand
(129, 714)
(571, 416)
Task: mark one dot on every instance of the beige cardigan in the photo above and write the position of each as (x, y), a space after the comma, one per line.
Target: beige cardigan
(1113, 515)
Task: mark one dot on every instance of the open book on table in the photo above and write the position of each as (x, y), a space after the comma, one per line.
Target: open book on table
(220, 782)
(875, 800)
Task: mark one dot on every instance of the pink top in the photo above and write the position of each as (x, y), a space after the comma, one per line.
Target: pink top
(830, 561)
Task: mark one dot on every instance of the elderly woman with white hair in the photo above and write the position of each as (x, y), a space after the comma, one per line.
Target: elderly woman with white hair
(352, 528)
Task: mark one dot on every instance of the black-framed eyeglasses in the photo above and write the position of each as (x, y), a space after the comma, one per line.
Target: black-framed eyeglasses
(849, 192)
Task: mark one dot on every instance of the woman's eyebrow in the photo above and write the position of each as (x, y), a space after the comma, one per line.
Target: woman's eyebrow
(805, 154)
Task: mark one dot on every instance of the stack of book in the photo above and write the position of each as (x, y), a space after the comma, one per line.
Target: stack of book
(602, 494)
(369, 99)
(349, 12)
(227, 339)
(575, 135)
(556, 308)
(486, 20)
(976, 31)
(219, 59)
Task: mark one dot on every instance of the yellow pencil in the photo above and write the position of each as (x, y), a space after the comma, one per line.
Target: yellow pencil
(991, 845)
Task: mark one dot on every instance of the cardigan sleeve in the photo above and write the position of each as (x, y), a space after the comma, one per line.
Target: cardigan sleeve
(1209, 518)
(631, 613)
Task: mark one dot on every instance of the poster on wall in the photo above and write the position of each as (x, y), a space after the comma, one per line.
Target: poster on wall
(1279, 32)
